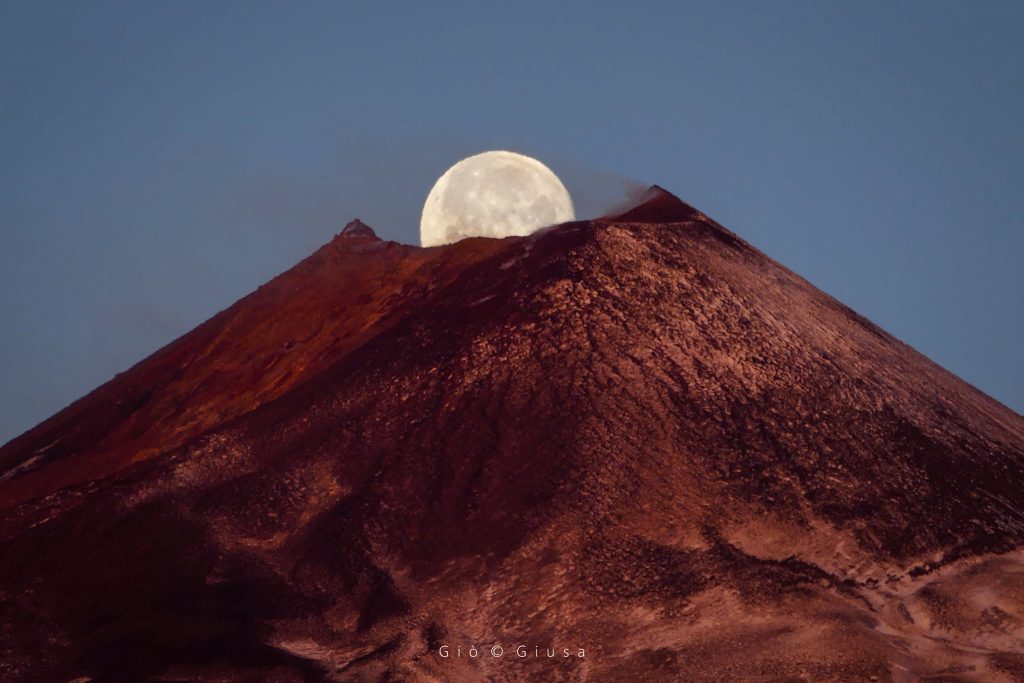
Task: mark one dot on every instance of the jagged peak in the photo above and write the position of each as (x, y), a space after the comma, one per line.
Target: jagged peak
(658, 205)
(357, 228)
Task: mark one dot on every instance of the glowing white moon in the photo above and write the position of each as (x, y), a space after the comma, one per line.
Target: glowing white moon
(494, 194)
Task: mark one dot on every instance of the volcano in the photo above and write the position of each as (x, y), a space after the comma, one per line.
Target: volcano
(627, 449)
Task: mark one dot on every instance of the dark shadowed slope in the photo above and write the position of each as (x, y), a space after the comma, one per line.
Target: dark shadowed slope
(284, 332)
(637, 435)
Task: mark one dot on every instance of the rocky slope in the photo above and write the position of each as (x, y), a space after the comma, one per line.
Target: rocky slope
(636, 436)
(285, 332)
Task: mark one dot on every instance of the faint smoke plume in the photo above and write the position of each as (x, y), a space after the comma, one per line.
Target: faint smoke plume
(384, 182)
(598, 192)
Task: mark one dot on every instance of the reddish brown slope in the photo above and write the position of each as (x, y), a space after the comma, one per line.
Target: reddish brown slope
(256, 350)
(638, 435)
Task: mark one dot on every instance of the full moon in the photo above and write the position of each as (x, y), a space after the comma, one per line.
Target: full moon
(494, 194)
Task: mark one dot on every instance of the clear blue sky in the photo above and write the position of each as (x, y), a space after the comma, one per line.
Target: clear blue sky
(158, 160)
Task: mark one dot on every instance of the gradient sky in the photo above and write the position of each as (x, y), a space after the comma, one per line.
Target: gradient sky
(158, 160)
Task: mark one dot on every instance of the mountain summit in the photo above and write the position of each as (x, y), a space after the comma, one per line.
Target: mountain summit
(357, 228)
(636, 443)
